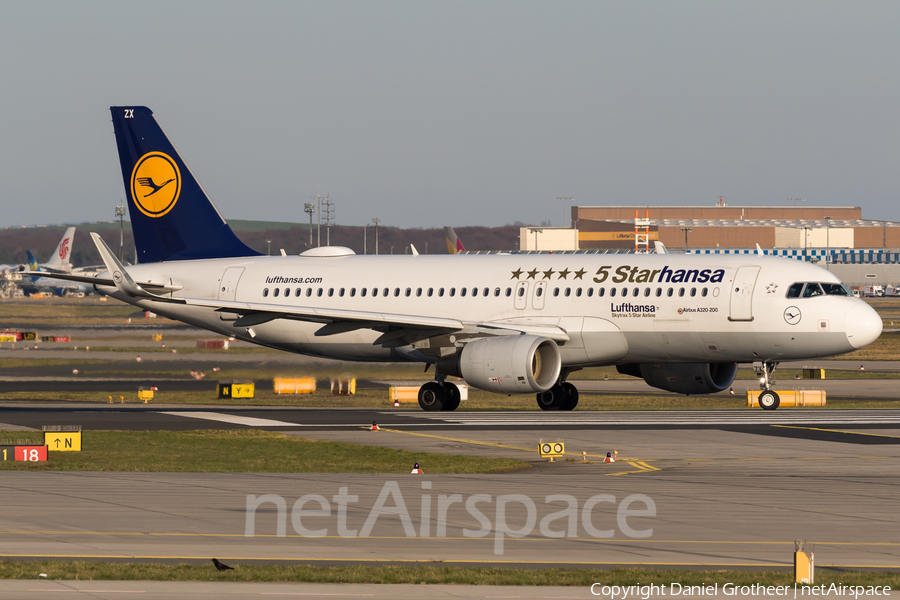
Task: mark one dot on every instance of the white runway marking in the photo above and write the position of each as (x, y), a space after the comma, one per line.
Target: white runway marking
(233, 419)
(698, 418)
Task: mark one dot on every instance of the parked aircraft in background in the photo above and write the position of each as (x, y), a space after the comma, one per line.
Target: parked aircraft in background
(59, 262)
(513, 323)
(454, 245)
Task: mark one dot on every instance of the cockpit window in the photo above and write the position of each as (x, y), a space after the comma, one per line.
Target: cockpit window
(836, 289)
(794, 290)
(812, 289)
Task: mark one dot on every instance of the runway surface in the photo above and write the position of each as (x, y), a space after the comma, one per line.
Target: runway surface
(715, 489)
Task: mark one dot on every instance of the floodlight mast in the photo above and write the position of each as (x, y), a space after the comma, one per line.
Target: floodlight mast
(309, 208)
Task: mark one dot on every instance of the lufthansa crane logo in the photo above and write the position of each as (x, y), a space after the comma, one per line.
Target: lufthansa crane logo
(155, 184)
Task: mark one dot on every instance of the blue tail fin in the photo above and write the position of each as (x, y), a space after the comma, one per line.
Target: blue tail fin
(32, 262)
(171, 216)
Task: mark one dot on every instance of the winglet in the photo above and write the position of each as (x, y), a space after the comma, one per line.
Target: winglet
(124, 282)
(758, 249)
(660, 247)
(414, 251)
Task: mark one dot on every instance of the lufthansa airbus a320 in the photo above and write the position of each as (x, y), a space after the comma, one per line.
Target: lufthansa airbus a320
(510, 324)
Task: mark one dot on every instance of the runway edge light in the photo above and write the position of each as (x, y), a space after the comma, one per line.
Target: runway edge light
(416, 470)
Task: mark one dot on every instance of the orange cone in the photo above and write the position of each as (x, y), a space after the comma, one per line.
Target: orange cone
(374, 427)
(396, 403)
(862, 368)
(416, 470)
(609, 458)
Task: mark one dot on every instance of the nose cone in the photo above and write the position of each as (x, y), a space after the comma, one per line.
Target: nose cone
(863, 325)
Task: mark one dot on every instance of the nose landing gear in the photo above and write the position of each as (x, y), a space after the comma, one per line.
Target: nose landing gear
(768, 399)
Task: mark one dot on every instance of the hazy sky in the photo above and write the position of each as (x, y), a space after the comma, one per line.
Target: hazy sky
(455, 113)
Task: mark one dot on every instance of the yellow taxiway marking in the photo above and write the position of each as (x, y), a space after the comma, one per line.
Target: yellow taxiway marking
(643, 467)
(838, 431)
(486, 538)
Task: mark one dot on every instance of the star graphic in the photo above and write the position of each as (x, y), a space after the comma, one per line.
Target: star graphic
(547, 274)
(564, 273)
(770, 289)
(516, 274)
(579, 273)
(532, 274)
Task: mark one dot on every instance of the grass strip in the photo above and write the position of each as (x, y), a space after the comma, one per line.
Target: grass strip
(246, 451)
(423, 574)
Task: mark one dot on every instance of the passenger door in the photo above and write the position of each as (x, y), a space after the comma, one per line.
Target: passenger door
(229, 283)
(742, 294)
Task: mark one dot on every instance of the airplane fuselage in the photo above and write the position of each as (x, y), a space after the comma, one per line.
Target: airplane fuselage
(614, 309)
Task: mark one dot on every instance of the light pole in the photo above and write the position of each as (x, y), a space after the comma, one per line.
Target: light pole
(564, 200)
(535, 231)
(120, 212)
(426, 247)
(365, 248)
(796, 200)
(806, 230)
(269, 247)
(309, 208)
(686, 230)
(376, 221)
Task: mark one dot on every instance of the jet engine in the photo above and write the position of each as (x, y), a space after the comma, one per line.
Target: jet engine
(511, 364)
(684, 378)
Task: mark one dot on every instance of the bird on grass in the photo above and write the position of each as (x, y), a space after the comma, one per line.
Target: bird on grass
(221, 566)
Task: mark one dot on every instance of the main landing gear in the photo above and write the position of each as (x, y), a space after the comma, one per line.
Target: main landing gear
(439, 395)
(768, 399)
(562, 396)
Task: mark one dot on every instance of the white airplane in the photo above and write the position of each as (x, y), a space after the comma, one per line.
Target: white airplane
(508, 324)
(36, 280)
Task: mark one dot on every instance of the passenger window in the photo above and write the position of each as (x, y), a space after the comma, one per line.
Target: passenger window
(578, 292)
(408, 292)
(374, 292)
(521, 292)
(430, 292)
(308, 292)
(341, 293)
(539, 292)
(669, 292)
(396, 292)
(693, 292)
(287, 292)
(362, 292)
(462, 291)
(441, 292)
(568, 291)
(385, 292)
(474, 292)
(658, 292)
(703, 292)
(590, 292)
(418, 292)
(352, 292)
(486, 293)
(319, 292)
(646, 291)
(601, 292)
(680, 292)
(794, 290)
(265, 292)
(497, 292)
(508, 292)
(276, 292)
(297, 293)
(453, 292)
(812, 290)
(612, 292)
(556, 291)
(636, 292)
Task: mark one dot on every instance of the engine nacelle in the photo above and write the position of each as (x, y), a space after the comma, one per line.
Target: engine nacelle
(685, 378)
(511, 364)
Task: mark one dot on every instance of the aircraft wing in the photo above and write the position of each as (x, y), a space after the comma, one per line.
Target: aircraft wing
(90, 280)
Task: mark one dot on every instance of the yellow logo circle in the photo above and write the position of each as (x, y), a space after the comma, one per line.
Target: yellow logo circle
(155, 184)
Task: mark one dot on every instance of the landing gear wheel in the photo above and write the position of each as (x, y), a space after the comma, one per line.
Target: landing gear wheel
(570, 400)
(453, 396)
(769, 400)
(432, 396)
(552, 399)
